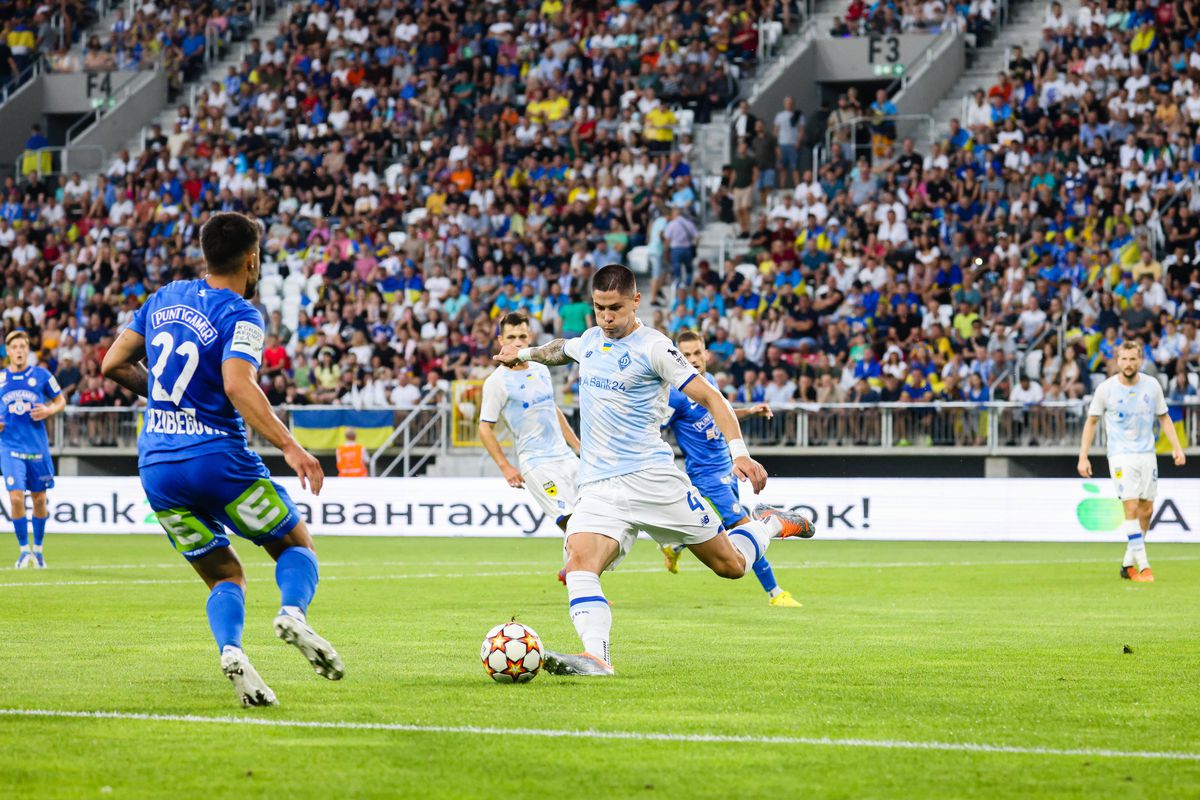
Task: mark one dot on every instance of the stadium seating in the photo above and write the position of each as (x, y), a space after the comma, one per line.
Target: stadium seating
(417, 175)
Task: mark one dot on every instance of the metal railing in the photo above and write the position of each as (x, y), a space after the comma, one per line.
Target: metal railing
(109, 104)
(31, 71)
(421, 435)
(868, 122)
(958, 428)
(61, 160)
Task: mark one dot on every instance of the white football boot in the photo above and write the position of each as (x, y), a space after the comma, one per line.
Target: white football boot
(25, 560)
(250, 688)
(320, 653)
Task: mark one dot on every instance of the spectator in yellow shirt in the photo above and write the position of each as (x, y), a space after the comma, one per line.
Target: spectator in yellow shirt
(659, 128)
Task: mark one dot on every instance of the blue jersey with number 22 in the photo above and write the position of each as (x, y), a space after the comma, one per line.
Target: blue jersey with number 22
(190, 330)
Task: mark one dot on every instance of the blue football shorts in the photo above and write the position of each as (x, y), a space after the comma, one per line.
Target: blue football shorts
(722, 494)
(197, 500)
(32, 472)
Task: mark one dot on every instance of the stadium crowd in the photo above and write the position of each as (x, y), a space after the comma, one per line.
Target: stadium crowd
(420, 172)
(909, 16)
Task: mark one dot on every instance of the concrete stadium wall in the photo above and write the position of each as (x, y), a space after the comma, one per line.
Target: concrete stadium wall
(75, 92)
(130, 117)
(20, 112)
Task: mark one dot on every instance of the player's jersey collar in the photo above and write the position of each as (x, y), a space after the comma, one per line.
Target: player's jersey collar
(624, 338)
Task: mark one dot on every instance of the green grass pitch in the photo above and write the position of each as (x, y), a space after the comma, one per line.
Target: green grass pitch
(904, 657)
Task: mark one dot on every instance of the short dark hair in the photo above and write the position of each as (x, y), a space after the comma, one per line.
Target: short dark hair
(689, 335)
(615, 278)
(226, 239)
(513, 318)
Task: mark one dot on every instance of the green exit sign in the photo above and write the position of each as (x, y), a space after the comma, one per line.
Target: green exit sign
(889, 70)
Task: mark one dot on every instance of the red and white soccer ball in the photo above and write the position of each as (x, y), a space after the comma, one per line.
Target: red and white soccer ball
(512, 653)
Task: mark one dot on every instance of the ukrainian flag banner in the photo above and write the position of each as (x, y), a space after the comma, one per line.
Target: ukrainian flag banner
(325, 429)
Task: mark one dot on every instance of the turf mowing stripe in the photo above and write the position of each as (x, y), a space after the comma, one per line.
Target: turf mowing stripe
(552, 733)
(393, 577)
(777, 565)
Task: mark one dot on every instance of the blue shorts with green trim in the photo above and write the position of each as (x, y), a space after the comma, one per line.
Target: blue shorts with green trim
(197, 500)
(722, 494)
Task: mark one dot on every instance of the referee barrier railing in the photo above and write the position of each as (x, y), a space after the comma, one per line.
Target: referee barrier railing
(432, 428)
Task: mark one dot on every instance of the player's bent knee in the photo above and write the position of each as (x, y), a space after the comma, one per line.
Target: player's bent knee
(296, 537)
(730, 568)
(590, 552)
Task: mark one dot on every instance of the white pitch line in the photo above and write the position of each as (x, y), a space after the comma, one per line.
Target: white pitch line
(271, 565)
(803, 565)
(637, 736)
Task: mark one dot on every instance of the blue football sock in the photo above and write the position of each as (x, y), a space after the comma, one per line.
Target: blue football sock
(21, 529)
(39, 531)
(227, 614)
(765, 575)
(296, 575)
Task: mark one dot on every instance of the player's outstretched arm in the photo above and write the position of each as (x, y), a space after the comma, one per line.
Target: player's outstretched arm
(123, 363)
(552, 354)
(760, 410)
(241, 386)
(1168, 429)
(1084, 467)
(488, 436)
(567, 432)
(746, 468)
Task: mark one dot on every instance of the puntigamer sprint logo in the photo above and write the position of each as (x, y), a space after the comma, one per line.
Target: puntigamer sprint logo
(189, 317)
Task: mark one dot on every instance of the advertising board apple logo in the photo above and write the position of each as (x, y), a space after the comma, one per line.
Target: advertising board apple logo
(1099, 513)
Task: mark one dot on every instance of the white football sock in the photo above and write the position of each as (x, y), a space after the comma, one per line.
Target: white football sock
(590, 612)
(772, 524)
(751, 539)
(293, 611)
(37, 548)
(1137, 544)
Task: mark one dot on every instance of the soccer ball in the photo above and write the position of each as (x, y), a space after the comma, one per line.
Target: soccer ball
(511, 653)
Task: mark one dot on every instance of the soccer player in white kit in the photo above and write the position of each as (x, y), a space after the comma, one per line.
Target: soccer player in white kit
(1130, 401)
(628, 481)
(547, 448)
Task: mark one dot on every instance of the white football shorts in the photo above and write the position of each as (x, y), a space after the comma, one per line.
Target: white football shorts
(660, 501)
(1135, 475)
(553, 486)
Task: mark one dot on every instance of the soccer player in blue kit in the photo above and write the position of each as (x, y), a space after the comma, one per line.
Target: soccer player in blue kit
(710, 469)
(204, 343)
(28, 396)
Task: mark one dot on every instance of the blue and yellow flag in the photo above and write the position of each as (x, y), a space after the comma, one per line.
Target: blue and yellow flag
(325, 429)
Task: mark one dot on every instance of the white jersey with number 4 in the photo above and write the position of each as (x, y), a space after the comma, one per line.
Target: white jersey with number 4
(525, 398)
(623, 389)
(1129, 413)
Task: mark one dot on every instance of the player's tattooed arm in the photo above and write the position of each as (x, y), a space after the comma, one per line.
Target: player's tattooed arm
(552, 354)
(123, 363)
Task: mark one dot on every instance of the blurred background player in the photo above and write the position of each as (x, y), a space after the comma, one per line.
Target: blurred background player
(709, 467)
(1130, 401)
(200, 476)
(351, 457)
(29, 395)
(628, 481)
(547, 448)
